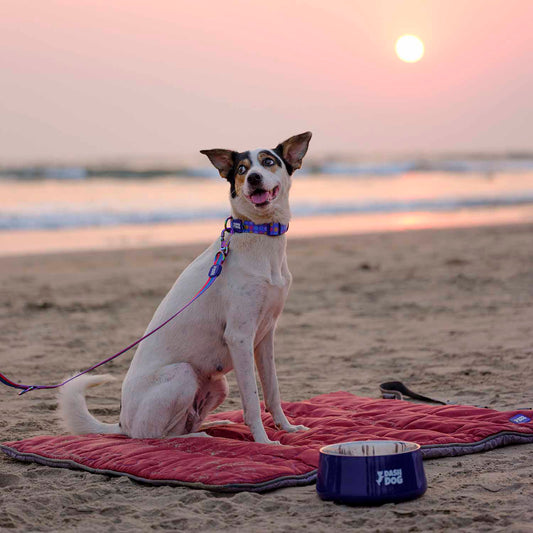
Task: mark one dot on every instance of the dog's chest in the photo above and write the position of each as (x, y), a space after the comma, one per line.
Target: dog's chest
(274, 294)
(271, 294)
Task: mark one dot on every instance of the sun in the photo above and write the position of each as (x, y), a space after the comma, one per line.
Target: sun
(409, 48)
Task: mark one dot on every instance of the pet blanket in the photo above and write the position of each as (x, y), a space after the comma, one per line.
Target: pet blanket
(232, 462)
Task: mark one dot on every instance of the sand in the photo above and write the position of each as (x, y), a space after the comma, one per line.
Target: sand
(449, 312)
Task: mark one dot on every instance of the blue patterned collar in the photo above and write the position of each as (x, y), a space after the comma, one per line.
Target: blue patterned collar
(272, 229)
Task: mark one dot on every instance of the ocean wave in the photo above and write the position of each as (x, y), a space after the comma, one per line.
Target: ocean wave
(39, 220)
(488, 164)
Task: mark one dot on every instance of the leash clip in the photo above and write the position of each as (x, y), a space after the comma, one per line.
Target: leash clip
(228, 225)
(392, 395)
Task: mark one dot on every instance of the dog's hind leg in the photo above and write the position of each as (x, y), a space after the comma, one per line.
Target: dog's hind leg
(209, 395)
(167, 407)
(216, 393)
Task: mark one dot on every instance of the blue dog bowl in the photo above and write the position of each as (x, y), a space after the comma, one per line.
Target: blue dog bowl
(371, 472)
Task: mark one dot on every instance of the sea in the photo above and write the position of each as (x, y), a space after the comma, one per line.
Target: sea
(56, 208)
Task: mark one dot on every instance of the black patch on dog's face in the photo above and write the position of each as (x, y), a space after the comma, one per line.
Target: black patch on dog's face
(279, 150)
(263, 154)
(238, 158)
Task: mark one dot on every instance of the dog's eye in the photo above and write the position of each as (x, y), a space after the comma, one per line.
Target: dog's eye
(241, 169)
(268, 162)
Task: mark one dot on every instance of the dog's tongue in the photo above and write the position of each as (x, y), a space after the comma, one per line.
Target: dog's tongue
(260, 197)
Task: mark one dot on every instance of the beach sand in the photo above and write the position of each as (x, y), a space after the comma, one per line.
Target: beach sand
(449, 312)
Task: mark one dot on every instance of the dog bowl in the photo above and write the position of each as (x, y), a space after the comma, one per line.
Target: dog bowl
(371, 472)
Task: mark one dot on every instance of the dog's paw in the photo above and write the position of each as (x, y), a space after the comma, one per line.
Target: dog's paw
(268, 441)
(293, 429)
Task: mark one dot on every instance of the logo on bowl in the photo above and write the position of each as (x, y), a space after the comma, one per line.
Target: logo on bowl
(390, 477)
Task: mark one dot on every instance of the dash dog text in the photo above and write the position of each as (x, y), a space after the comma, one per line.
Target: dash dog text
(390, 477)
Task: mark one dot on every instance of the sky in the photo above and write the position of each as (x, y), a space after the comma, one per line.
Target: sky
(95, 79)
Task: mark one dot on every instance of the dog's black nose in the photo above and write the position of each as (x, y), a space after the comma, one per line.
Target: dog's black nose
(254, 179)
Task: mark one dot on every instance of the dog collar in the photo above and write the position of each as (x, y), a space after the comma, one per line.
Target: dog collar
(273, 229)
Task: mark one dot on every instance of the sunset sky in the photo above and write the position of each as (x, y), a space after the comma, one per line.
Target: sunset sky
(130, 78)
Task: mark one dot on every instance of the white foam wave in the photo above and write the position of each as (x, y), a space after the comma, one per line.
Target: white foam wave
(35, 220)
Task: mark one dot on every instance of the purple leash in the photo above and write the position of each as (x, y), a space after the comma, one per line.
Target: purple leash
(213, 273)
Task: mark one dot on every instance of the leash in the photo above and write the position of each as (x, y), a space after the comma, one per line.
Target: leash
(231, 226)
(396, 390)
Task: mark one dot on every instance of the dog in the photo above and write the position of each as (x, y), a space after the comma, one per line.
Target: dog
(177, 375)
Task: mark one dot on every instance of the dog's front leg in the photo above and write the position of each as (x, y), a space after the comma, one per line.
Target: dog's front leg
(241, 349)
(264, 359)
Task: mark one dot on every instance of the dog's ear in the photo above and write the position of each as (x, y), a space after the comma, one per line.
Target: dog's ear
(223, 160)
(293, 150)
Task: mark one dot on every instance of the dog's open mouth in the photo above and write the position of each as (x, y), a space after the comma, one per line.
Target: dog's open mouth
(261, 198)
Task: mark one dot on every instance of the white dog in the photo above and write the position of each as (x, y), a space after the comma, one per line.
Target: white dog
(177, 375)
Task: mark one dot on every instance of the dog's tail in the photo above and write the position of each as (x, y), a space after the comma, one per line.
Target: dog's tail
(73, 407)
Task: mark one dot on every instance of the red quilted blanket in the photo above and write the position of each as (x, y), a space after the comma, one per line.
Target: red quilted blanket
(232, 462)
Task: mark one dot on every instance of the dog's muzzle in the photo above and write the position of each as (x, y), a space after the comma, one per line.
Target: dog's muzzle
(261, 198)
(255, 179)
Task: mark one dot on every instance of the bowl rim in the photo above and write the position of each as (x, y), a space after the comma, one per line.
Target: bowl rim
(413, 447)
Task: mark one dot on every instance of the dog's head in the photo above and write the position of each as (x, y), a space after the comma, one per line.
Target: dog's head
(260, 179)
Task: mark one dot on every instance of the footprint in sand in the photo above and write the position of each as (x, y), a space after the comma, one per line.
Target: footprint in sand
(8, 480)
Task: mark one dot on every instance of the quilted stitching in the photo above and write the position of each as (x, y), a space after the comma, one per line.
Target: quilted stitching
(232, 461)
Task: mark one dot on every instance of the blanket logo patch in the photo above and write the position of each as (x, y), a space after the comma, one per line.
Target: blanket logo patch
(390, 477)
(520, 419)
